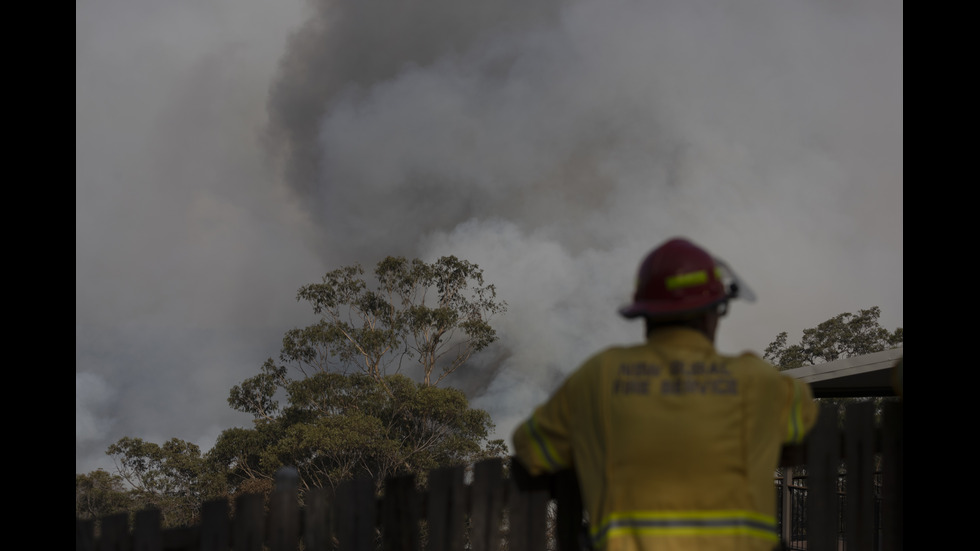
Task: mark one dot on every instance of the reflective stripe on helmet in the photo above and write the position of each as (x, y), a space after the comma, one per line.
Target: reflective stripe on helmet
(685, 523)
(690, 279)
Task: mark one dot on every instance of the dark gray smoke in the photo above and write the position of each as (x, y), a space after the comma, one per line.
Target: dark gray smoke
(556, 147)
(553, 145)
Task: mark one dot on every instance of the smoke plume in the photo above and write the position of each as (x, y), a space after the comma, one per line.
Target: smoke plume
(553, 145)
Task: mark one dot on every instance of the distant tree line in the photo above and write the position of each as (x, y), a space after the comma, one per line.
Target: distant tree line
(842, 336)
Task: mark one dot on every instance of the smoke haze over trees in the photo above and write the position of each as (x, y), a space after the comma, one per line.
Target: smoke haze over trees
(231, 151)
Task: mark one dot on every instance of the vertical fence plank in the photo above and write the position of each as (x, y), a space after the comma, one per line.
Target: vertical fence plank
(84, 535)
(248, 528)
(146, 531)
(528, 509)
(891, 475)
(318, 530)
(283, 528)
(569, 527)
(486, 505)
(356, 515)
(859, 449)
(400, 514)
(215, 526)
(445, 509)
(183, 538)
(823, 460)
(517, 510)
(115, 533)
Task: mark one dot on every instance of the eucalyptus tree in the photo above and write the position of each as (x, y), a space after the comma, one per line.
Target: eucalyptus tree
(173, 477)
(99, 494)
(357, 392)
(842, 336)
(435, 315)
(335, 427)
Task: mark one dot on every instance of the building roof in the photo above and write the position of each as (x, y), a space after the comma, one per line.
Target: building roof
(867, 375)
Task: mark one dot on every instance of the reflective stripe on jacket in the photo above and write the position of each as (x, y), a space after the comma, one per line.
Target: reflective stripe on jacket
(674, 445)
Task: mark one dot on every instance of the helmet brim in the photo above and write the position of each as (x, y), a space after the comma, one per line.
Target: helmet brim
(654, 309)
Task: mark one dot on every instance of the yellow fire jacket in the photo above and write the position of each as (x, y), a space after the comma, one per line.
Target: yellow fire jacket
(674, 445)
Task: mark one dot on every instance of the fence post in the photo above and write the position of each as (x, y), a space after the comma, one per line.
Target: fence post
(318, 528)
(284, 511)
(249, 525)
(445, 509)
(115, 533)
(859, 451)
(147, 535)
(84, 535)
(569, 526)
(486, 504)
(891, 477)
(400, 514)
(786, 498)
(823, 462)
(356, 514)
(527, 504)
(215, 526)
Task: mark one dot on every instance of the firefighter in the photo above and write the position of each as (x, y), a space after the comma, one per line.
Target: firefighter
(674, 445)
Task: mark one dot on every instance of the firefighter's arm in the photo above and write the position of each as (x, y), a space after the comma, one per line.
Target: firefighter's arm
(542, 442)
(802, 414)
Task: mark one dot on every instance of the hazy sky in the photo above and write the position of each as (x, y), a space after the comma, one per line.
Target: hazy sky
(228, 152)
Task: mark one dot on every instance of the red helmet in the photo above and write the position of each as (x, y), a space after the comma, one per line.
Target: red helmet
(676, 279)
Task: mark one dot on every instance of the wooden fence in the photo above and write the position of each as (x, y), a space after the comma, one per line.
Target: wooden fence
(494, 505)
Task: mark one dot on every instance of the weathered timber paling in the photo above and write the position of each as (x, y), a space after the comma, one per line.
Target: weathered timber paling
(502, 503)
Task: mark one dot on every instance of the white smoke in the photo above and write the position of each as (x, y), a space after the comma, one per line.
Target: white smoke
(554, 145)
(557, 154)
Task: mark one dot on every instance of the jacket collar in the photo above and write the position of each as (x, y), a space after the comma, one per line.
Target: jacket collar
(680, 336)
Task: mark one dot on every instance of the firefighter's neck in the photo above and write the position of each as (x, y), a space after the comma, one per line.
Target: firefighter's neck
(706, 324)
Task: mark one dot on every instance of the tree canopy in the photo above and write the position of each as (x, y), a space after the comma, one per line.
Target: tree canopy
(99, 494)
(336, 427)
(842, 336)
(340, 403)
(349, 411)
(435, 314)
(172, 477)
